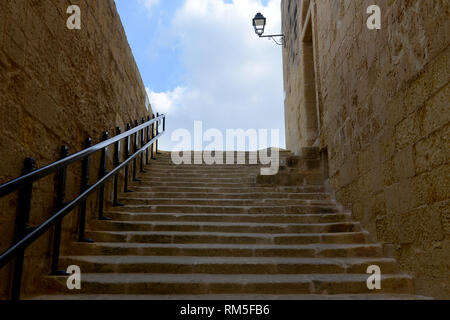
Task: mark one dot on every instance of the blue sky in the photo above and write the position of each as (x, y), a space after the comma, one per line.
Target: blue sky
(201, 60)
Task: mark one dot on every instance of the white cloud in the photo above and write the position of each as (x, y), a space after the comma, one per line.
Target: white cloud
(169, 102)
(149, 3)
(233, 79)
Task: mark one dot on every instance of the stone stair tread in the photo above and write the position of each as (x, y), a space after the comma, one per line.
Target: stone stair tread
(228, 189)
(198, 174)
(314, 246)
(227, 206)
(117, 278)
(213, 185)
(231, 217)
(203, 176)
(228, 237)
(229, 224)
(194, 195)
(261, 215)
(213, 232)
(226, 260)
(228, 297)
(251, 209)
(129, 206)
(229, 234)
(312, 201)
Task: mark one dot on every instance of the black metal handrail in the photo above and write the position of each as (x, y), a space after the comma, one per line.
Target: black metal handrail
(25, 235)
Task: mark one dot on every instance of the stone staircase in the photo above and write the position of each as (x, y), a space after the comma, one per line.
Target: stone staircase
(222, 232)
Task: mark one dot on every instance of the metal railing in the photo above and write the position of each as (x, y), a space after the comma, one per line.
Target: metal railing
(145, 136)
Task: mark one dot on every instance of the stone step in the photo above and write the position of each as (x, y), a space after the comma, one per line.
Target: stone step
(227, 297)
(229, 209)
(223, 158)
(132, 283)
(254, 195)
(240, 189)
(212, 230)
(280, 151)
(227, 237)
(237, 161)
(230, 217)
(153, 179)
(172, 184)
(198, 174)
(194, 169)
(225, 265)
(227, 250)
(239, 227)
(218, 160)
(199, 184)
(131, 199)
(298, 179)
(238, 164)
(232, 167)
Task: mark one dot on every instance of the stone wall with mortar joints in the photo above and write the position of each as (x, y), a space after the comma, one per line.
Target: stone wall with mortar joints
(59, 86)
(293, 77)
(385, 123)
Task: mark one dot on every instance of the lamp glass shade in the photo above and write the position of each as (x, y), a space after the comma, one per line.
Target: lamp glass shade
(259, 23)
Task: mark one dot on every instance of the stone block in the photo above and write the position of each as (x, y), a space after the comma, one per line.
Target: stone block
(407, 131)
(391, 194)
(406, 196)
(349, 171)
(378, 205)
(14, 52)
(419, 225)
(433, 151)
(404, 162)
(48, 97)
(439, 70)
(435, 112)
(443, 208)
(422, 188)
(376, 179)
(389, 173)
(385, 102)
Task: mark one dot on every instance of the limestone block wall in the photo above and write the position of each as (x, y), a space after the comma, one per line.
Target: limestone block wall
(383, 105)
(293, 84)
(58, 86)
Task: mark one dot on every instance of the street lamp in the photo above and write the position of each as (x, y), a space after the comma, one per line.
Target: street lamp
(259, 23)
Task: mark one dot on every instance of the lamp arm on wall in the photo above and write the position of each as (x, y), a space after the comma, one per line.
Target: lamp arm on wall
(281, 36)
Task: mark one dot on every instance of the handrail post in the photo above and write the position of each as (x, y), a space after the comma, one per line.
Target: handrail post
(84, 187)
(127, 155)
(164, 124)
(147, 135)
(102, 174)
(135, 138)
(142, 145)
(153, 135)
(116, 203)
(22, 228)
(157, 132)
(61, 194)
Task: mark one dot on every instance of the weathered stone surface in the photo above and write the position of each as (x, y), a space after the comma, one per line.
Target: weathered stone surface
(204, 249)
(58, 86)
(382, 99)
